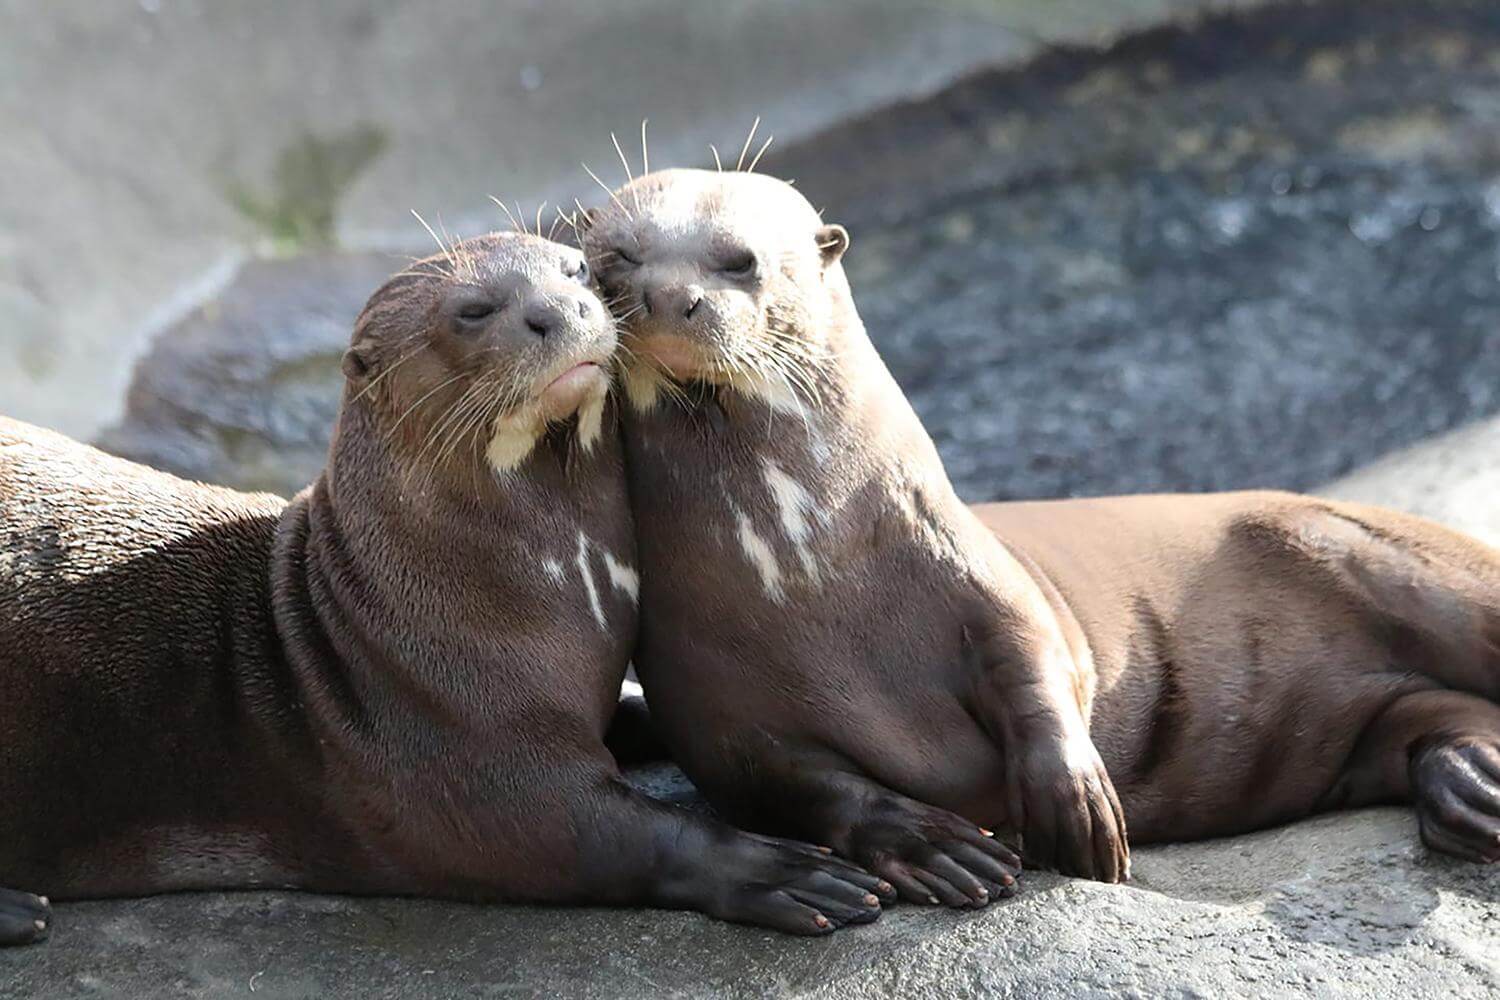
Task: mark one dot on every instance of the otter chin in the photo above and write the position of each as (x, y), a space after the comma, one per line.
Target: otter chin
(578, 386)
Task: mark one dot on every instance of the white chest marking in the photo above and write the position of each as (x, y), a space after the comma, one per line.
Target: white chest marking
(587, 572)
(624, 579)
(761, 556)
(512, 438)
(795, 506)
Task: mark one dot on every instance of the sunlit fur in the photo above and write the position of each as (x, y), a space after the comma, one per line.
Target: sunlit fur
(475, 396)
(758, 333)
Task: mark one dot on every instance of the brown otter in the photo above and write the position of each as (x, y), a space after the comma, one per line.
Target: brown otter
(837, 648)
(830, 640)
(396, 683)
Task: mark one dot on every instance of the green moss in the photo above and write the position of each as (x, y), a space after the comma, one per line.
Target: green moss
(311, 175)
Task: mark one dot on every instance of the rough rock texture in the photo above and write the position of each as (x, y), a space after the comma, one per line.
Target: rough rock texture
(1259, 251)
(1342, 906)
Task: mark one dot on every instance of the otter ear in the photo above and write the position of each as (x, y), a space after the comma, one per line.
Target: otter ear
(356, 364)
(583, 220)
(833, 240)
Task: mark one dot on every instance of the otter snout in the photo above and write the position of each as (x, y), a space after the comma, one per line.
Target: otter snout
(546, 315)
(673, 301)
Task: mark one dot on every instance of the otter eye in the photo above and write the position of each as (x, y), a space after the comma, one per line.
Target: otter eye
(577, 269)
(626, 257)
(473, 312)
(740, 265)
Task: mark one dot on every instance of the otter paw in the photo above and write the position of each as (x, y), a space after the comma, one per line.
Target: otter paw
(1072, 817)
(24, 918)
(1456, 792)
(797, 888)
(934, 857)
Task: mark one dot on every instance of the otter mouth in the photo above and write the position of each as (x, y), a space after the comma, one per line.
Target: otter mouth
(569, 390)
(674, 356)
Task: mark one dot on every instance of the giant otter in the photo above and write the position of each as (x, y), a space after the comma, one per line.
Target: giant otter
(838, 649)
(400, 681)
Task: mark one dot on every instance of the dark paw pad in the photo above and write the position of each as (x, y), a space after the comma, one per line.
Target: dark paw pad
(1456, 792)
(24, 918)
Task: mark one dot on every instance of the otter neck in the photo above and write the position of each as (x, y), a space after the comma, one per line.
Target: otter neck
(854, 432)
(409, 585)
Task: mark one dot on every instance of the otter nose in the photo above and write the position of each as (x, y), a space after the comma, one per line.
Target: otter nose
(550, 314)
(543, 318)
(679, 300)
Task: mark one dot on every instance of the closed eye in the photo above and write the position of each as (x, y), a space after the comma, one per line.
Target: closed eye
(739, 265)
(626, 257)
(476, 311)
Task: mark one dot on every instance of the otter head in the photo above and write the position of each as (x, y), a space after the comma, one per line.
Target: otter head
(723, 278)
(479, 349)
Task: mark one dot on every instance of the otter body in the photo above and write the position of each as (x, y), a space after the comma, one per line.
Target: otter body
(836, 646)
(398, 682)
(1264, 656)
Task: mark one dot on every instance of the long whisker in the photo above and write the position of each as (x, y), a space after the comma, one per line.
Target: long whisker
(629, 177)
(381, 377)
(718, 163)
(767, 145)
(746, 148)
(635, 195)
(419, 402)
(620, 204)
(645, 153)
(506, 209)
(433, 233)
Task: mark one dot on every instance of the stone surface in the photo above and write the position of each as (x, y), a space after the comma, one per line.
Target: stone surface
(1257, 252)
(151, 145)
(1341, 906)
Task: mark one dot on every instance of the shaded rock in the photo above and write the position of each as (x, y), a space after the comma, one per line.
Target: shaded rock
(245, 390)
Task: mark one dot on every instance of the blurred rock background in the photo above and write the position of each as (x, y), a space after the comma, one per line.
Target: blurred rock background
(1105, 246)
(151, 146)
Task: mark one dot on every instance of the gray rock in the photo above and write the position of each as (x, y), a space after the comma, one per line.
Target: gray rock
(1342, 906)
(1454, 478)
(245, 389)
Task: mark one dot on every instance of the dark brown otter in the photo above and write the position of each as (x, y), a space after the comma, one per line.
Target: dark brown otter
(831, 642)
(836, 648)
(399, 682)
